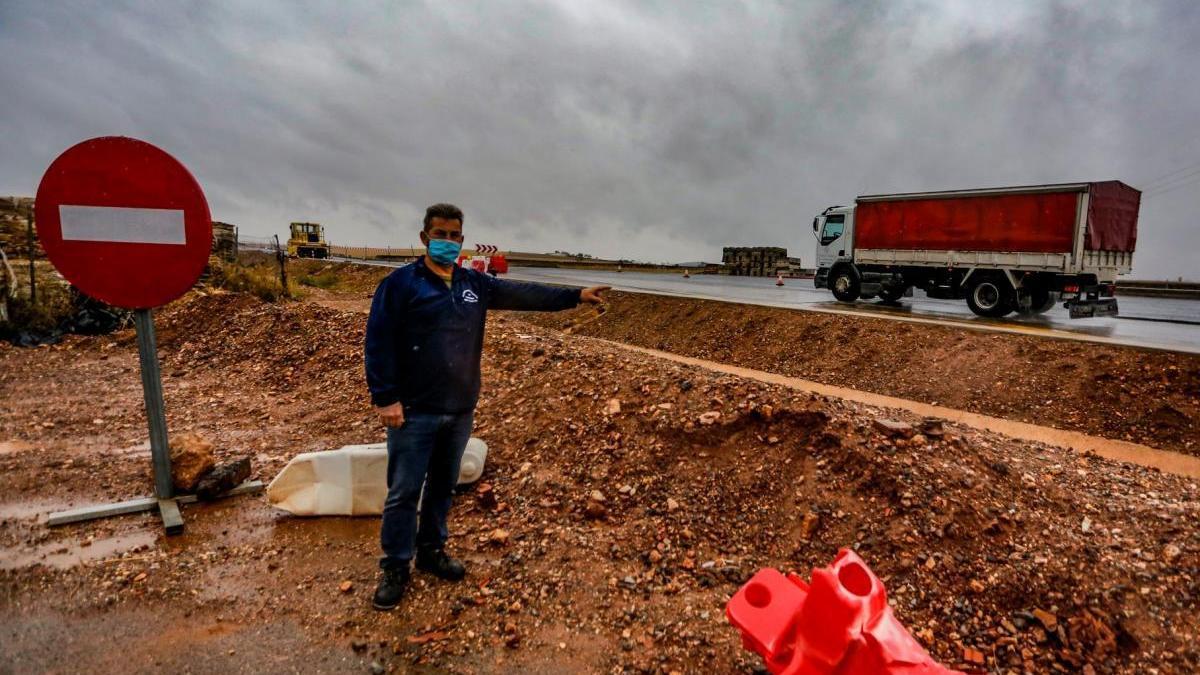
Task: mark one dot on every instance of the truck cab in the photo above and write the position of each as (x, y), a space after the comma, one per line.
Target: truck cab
(834, 232)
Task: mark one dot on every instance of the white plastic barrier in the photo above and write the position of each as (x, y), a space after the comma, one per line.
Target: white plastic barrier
(350, 481)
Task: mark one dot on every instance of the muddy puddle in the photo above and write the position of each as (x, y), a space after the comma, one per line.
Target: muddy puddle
(68, 554)
(33, 509)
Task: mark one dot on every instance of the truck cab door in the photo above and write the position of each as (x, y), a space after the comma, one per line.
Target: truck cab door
(831, 239)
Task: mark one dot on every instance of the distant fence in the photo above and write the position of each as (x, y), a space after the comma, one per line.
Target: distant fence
(365, 252)
(1187, 290)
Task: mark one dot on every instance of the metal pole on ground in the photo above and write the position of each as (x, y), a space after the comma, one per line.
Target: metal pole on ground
(282, 267)
(156, 417)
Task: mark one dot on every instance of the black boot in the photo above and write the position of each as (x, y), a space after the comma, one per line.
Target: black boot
(391, 588)
(436, 562)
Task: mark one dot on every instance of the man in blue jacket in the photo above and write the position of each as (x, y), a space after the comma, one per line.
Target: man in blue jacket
(424, 340)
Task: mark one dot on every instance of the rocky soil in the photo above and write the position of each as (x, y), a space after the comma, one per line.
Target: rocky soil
(624, 501)
(1144, 396)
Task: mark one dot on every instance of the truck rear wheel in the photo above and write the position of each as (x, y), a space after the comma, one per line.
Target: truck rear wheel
(892, 294)
(991, 297)
(1040, 302)
(845, 286)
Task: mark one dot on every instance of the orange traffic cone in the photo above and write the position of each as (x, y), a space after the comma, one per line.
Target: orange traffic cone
(779, 280)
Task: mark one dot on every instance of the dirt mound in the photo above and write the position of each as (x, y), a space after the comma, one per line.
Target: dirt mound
(1148, 397)
(628, 499)
(284, 343)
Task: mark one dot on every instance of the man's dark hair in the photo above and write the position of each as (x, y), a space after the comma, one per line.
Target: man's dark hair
(443, 211)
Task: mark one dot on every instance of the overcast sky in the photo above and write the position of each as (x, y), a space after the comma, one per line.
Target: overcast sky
(654, 131)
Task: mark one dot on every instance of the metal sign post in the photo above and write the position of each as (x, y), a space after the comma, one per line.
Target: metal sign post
(156, 416)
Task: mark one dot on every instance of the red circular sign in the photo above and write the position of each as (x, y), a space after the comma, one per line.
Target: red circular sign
(124, 222)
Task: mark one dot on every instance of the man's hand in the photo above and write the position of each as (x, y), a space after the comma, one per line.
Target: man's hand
(391, 415)
(592, 295)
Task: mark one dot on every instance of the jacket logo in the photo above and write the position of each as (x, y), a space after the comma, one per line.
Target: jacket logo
(469, 296)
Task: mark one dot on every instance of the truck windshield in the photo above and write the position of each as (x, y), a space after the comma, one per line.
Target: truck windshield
(834, 226)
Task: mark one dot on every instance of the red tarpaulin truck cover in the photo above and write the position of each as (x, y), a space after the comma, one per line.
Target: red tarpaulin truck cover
(1038, 219)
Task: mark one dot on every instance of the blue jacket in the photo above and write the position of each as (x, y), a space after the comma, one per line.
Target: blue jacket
(424, 340)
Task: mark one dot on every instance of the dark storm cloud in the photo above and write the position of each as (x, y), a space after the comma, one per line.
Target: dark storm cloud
(655, 131)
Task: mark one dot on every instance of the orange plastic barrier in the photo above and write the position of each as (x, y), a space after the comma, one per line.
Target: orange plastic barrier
(839, 624)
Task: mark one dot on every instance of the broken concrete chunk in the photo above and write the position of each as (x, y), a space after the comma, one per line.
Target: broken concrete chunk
(893, 428)
(223, 479)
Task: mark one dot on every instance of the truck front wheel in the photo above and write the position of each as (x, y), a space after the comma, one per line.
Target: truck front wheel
(845, 286)
(990, 297)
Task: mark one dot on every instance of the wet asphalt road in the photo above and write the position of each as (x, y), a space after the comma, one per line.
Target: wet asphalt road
(1156, 323)
(1161, 323)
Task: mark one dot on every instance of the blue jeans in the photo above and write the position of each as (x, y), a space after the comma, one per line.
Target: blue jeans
(424, 452)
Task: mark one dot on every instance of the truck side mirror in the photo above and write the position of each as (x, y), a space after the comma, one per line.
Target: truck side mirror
(817, 228)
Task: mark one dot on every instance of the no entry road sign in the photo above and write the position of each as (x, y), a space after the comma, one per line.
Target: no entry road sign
(124, 222)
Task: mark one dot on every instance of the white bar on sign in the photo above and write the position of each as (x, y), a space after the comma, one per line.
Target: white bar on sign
(120, 224)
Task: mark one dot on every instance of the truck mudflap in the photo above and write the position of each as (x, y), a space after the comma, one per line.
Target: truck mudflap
(1086, 309)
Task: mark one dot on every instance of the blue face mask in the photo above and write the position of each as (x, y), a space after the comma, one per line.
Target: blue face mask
(444, 251)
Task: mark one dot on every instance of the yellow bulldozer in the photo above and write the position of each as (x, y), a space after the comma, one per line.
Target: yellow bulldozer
(308, 241)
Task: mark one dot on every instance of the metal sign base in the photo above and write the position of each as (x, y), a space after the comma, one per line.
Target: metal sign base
(143, 504)
(164, 488)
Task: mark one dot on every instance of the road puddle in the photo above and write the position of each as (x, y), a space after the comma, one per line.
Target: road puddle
(32, 509)
(67, 554)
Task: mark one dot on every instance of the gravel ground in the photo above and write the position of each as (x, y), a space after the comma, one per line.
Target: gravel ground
(1144, 396)
(631, 498)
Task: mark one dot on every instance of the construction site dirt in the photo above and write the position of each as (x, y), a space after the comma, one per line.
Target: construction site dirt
(1145, 396)
(632, 496)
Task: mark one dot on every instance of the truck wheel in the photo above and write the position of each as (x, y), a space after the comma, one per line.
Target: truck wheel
(892, 294)
(990, 297)
(844, 286)
(1040, 302)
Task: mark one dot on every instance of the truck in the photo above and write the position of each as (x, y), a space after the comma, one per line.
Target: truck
(1009, 249)
(307, 240)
